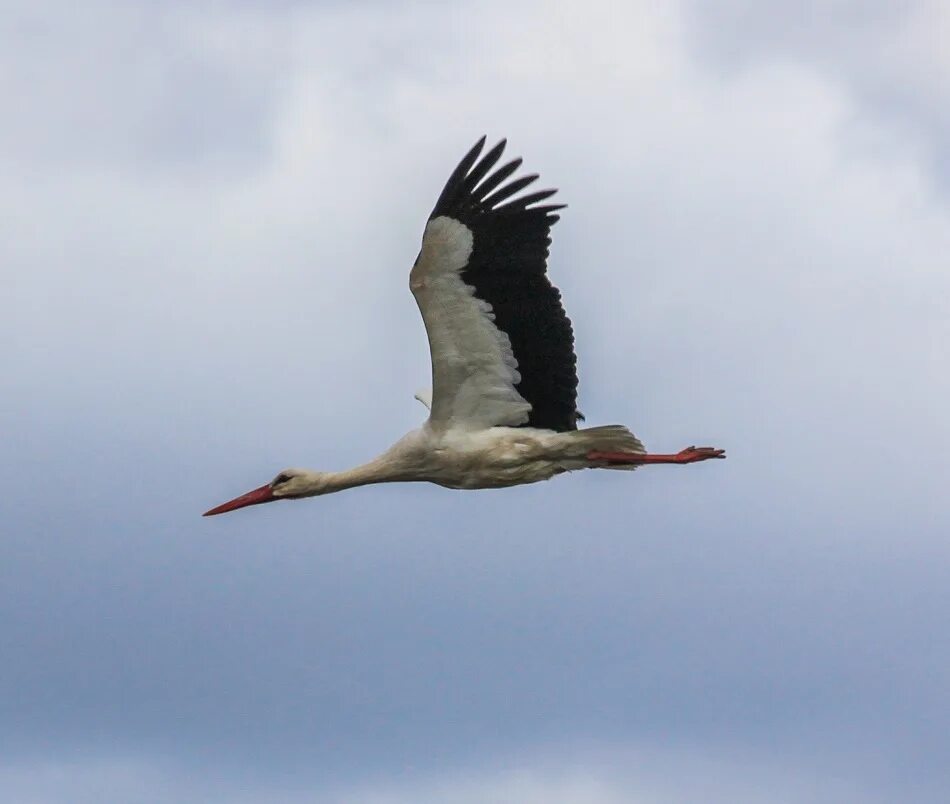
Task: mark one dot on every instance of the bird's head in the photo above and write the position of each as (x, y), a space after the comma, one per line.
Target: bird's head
(290, 484)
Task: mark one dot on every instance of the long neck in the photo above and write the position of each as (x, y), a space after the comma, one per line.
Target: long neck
(379, 470)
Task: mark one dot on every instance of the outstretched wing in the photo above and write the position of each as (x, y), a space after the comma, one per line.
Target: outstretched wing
(502, 347)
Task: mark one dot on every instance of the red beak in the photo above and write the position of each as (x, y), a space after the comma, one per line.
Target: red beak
(256, 497)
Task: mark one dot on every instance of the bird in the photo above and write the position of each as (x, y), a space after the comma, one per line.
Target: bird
(503, 404)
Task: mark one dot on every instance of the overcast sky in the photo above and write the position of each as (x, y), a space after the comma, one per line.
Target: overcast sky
(207, 216)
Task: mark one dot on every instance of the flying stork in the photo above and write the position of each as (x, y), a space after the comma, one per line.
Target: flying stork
(503, 407)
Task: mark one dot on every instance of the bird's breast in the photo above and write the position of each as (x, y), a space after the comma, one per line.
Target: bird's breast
(486, 460)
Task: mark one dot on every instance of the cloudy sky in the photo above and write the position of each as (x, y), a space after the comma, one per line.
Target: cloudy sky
(207, 216)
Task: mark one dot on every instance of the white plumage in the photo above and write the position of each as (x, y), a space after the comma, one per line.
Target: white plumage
(474, 371)
(503, 399)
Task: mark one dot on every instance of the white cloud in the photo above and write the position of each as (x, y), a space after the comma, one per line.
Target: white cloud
(749, 257)
(628, 775)
(889, 57)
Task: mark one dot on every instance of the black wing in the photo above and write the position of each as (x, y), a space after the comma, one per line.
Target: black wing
(508, 270)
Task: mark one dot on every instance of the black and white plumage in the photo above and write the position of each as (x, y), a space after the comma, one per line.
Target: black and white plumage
(507, 269)
(503, 406)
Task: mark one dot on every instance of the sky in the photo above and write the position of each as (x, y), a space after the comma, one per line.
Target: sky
(208, 211)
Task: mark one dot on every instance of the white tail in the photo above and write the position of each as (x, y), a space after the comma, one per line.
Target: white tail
(610, 438)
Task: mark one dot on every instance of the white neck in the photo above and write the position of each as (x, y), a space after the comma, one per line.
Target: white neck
(378, 470)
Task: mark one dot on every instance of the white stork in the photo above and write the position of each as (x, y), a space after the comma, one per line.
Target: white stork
(504, 382)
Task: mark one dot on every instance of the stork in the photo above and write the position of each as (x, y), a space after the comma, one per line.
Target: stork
(503, 404)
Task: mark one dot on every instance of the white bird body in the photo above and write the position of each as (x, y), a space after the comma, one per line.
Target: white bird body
(496, 457)
(503, 456)
(504, 384)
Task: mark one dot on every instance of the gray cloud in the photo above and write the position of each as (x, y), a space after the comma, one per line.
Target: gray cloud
(140, 85)
(630, 774)
(740, 270)
(889, 57)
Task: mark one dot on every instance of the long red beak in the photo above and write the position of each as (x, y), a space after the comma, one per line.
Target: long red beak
(256, 497)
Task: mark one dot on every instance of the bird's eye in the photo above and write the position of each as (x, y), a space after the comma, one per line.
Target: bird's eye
(281, 478)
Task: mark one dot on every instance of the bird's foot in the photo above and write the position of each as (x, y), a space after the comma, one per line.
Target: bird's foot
(696, 454)
(684, 456)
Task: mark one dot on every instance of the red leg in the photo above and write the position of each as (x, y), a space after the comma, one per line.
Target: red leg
(688, 455)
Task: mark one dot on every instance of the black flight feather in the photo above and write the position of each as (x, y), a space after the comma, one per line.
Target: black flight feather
(508, 269)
